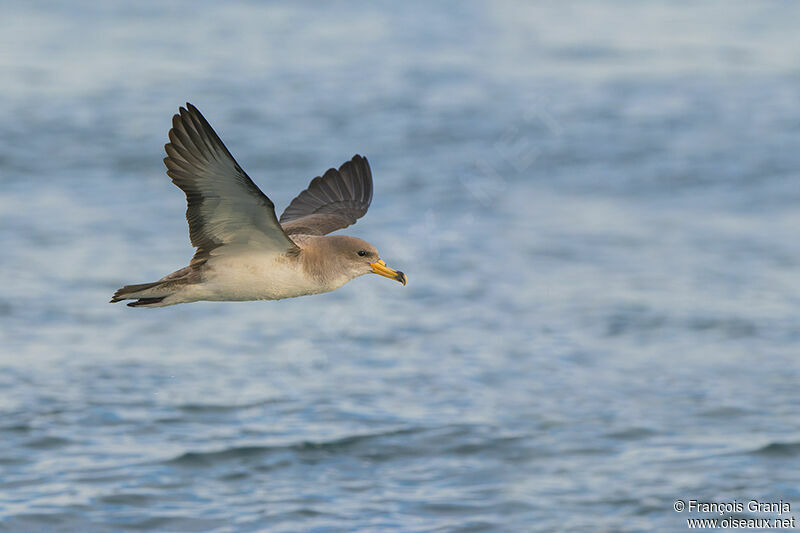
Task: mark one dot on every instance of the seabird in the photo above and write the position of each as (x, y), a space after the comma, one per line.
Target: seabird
(244, 252)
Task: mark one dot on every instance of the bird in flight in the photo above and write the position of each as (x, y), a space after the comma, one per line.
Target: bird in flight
(244, 252)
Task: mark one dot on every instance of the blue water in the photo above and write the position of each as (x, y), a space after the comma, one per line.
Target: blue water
(596, 206)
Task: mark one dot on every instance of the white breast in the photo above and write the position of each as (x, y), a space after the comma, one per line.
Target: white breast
(258, 276)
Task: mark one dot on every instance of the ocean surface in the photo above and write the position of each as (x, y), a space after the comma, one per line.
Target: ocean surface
(596, 205)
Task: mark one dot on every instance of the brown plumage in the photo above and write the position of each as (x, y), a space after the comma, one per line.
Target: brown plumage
(333, 201)
(243, 251)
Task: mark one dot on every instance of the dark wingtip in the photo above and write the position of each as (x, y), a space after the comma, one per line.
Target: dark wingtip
(146, 301)
(192, 109)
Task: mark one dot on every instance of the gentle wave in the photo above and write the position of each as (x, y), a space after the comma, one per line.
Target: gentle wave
(239, 452)
(225, 408)
(779, 449)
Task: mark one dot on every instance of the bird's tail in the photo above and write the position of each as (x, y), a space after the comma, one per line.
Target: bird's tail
(145, 294)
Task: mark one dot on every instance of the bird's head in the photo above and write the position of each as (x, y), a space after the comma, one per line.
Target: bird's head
(355, 257)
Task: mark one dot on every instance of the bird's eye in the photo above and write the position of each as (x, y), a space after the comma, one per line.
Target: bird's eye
(362, 253)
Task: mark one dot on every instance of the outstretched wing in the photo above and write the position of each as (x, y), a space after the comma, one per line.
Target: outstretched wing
(224, 206)
(333, 201)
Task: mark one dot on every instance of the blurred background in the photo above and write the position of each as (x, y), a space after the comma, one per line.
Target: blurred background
(595, 205)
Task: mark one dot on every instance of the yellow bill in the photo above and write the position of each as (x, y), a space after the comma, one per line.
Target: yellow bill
(381, 269)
